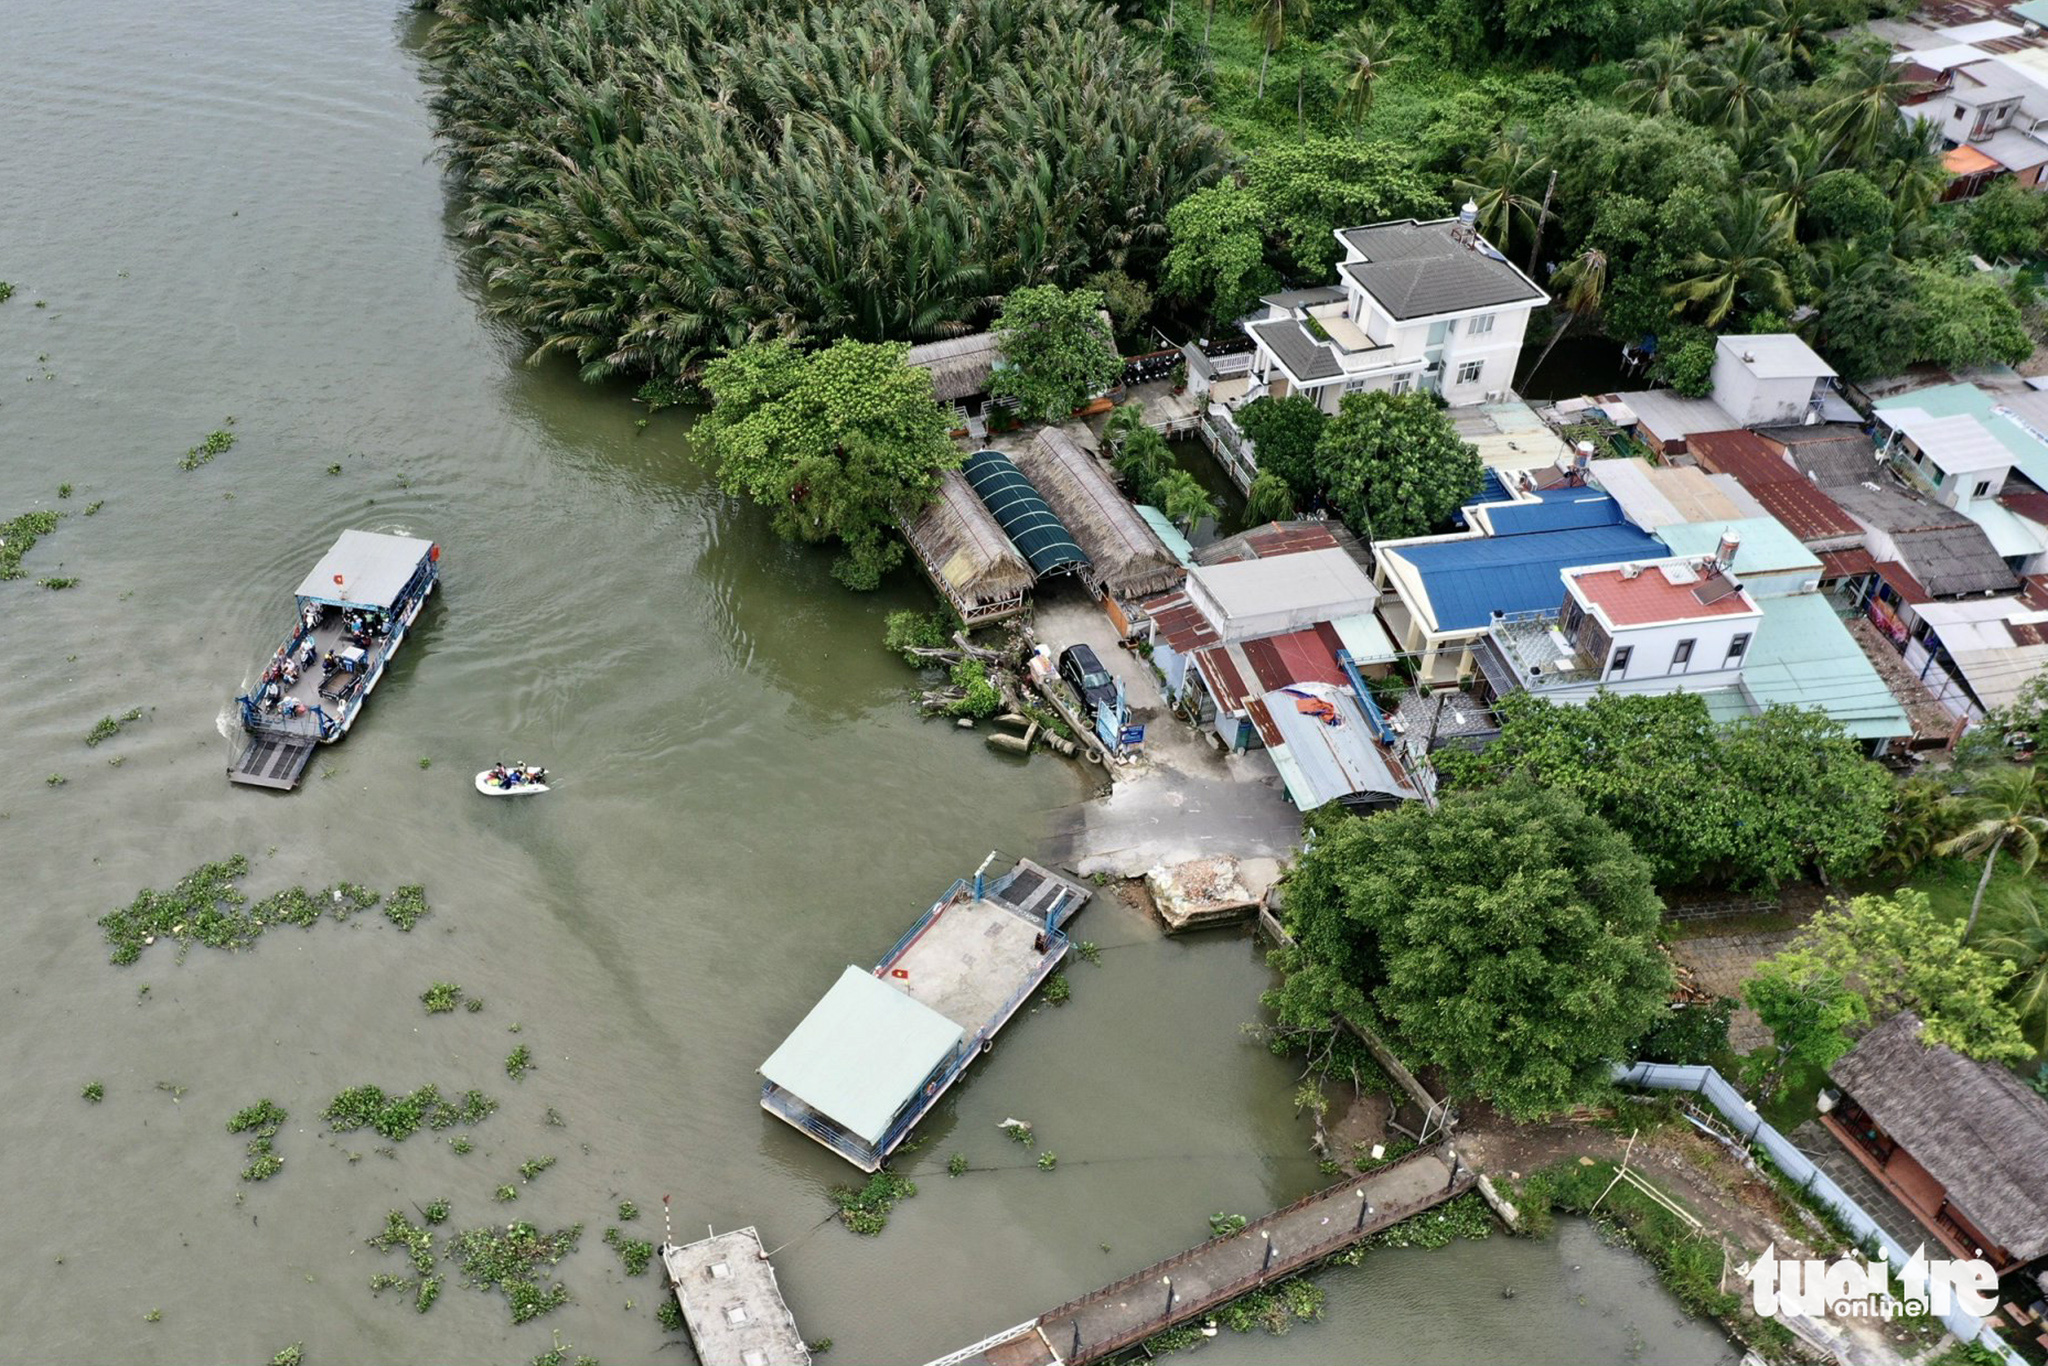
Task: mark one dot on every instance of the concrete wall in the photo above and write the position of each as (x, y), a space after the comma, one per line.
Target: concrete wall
(1755, 402)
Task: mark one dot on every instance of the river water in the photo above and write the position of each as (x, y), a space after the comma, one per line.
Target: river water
(230, 210)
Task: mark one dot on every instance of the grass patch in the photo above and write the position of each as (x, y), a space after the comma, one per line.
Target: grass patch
(1951, 883)
(511, 1261)
(635, 1253)
(865, 1209)
(399, 1117)
(265, 1118)
(441, 998)
(208, 906)
(19, 536)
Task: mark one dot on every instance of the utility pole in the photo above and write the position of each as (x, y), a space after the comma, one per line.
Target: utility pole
(1542, 218)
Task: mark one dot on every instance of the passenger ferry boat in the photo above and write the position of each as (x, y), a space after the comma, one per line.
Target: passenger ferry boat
(354, 610)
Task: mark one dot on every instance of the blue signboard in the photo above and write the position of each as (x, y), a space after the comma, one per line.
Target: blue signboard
(1133, 736)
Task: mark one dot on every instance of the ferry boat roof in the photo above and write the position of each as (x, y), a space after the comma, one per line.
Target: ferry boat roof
(365, 569)
(862, 1052)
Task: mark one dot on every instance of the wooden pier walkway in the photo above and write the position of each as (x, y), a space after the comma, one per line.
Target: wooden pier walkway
(1122, 1315)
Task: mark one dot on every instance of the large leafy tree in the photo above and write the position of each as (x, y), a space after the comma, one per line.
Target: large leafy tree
(1748, 805)
(1508, 937)
(1809, 1013)
(1897, 954)
(1967, 319)
(1284, 433)
(1219, 250)
(1308, 190)
(1057, 351)
(839, 444)
(1393, 464)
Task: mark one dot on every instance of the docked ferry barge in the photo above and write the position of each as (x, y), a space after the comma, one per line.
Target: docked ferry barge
(354, 610)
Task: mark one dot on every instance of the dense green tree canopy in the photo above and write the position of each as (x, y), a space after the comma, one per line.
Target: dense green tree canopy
(1057, 351)
(652, 181)
(1751, 804)
(1284, 432)
(1509, 937)
(839, 444)
(1809, 1012)
(1393, 465)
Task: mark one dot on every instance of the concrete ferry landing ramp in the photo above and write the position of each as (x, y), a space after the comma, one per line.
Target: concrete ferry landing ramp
(731, 1302)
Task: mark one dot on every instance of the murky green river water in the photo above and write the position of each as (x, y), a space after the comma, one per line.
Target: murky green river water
(233, 210)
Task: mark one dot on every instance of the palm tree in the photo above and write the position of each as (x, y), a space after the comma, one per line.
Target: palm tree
(1661, 77)
(1579, 284)
(1740, 262)
(2004, 813)
(1910, 155)
(1866, 106)
(1499, 183)
(1269, 499)
(1365, 57)
(1183, 499)
(2022, 940)
(1707, 20)
(1270, 19)
(1794, 25)
(1737, 85)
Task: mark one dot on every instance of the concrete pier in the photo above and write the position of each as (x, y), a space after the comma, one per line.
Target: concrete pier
(731, 1302)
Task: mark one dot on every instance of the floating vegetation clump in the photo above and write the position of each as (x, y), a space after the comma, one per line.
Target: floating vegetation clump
(94, 1091)
(418, 1244)
(636, 1253)
(511, 1260)
(866, 1209)
(399, 1117)
(265, 1117)
(669, 1315)
(519, 1062)
(628, 1211)
(207, 906)
(57, 583)
(107, 727)
(441, 998)
(534, 1166)
(558, 1355)
(436, 1212)
(216, 443)
(406, 906)
(290, 1356)
(19, 536)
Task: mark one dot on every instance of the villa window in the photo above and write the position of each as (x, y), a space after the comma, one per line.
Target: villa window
(1403, 383)
(1470, 371)
(1736, 649)
(1681, 656)
(1618, 666)
(1479, 325)
(1983, 488)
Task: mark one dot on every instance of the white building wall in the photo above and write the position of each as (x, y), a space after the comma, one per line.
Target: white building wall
(1755, 402)
(1650, 665)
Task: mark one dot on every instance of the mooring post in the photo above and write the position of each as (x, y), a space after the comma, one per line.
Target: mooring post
(1268, 1264)
(1364, 1208)
(1074, 1353)
(1169, 1296)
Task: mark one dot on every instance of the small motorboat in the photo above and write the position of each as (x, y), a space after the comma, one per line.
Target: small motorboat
(512, 780)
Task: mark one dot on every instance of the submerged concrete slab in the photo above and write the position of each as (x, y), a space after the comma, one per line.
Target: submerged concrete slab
(1210, 891)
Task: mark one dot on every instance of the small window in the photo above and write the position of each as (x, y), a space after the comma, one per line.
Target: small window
(1470, 371)
(1403, 383)
(1983, 488)
(1682, 656)
(1961, 112)
(1619, 664)
(1482, 324)
(1737, 648)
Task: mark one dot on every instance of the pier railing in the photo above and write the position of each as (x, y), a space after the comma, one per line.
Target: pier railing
(785, 1106)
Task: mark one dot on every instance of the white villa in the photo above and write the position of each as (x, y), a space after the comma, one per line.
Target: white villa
(1415, 306)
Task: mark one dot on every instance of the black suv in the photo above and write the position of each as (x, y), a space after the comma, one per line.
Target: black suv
(1084, 672)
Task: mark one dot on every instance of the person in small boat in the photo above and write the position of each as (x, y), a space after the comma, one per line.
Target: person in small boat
(496, 776)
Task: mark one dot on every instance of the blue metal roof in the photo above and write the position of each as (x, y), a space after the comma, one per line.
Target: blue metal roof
(1022, 513)
(1555, 510)
(1467, 581)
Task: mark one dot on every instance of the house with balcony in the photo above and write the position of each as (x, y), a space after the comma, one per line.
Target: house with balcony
(1987, 108)
(1416, 305)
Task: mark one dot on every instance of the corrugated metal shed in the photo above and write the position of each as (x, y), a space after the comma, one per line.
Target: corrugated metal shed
(1785, 492)
(1323, 763)
(1466, 581)
(861, 1053)
(1559, 509)
(1804, 656)
(1297, 657)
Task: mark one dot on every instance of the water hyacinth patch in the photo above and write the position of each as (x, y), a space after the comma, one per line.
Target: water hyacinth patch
(399, 1117)
(94, 1092)
(635, 1253)
(19, 536)
(216, 443)
(519, 1062)
(265, 1117)
(406, 906)
(509, 1261)
(441, 997)
(107, 727)
(418, 1245)
(208, 906)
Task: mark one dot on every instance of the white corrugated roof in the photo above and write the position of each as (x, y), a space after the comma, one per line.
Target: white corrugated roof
(372, 568)
(1317, 584)
(861, 1053)
(1960, 444)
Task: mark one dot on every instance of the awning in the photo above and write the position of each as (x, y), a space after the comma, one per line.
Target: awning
(1031, 526)
(1846, 564)
(1963, 161)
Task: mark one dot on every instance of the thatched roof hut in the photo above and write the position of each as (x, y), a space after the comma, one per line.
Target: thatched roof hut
(1972, 1126)
(1127, 559)
(960, 366)
(969, 559)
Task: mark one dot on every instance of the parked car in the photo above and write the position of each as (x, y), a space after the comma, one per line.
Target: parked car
(1085, 674)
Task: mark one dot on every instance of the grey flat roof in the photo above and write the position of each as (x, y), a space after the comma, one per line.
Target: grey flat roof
(1302, 354)
(862, 1053)
(1775, 355)
(1673, 416)
(726, 1288)
(1416, 270)
(374, 568)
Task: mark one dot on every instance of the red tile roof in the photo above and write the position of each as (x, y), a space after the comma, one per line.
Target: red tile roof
(2034, 591)
(2032, 506)
(1903, 583)
(1308, 656)
(1262, 721)
(1786, 494)
(1650, 597)
(1180, 622)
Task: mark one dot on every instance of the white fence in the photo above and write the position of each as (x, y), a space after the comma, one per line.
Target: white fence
(1711, 1087)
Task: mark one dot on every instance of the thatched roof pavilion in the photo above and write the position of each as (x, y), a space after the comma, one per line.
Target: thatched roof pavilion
(960, 366)
(1127, 558)
(967, 556)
